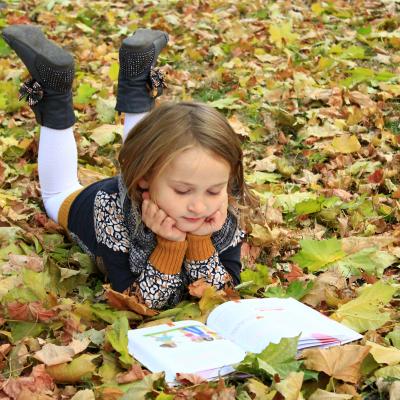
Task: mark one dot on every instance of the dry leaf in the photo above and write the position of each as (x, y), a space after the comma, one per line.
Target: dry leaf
(51, 354)
(197, 288)
(339, 362)
(320, 394)
(135, 373)
(124, 302)
(189, 378)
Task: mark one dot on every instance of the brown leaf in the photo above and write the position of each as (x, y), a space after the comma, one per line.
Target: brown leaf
(51, 354)
(188, 379)
(38, 382)
(135, 373)
(325, 285)
(295, 273)
(197, 288)
(339, 362)
(361, 99)
(122, 301)
(376, 177)
(35, 263)
(111, 393)
(29, 311)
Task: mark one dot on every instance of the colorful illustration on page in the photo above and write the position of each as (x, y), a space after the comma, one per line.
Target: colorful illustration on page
(191, 333)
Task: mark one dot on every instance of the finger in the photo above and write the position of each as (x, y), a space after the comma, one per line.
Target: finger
(159, 217)
(146, 196)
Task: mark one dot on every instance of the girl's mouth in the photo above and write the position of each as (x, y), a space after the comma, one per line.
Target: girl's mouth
(192, 219)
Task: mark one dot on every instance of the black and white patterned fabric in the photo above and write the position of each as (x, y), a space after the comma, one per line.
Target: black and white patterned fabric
(112, 231)
(211, 270)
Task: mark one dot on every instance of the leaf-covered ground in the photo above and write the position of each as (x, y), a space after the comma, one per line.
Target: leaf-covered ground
(313, 89)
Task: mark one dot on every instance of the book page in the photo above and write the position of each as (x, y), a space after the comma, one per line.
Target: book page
(254, 323)
(184, 346)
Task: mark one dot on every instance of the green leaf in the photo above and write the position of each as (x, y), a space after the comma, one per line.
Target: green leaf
(260, 177)
(117, 335)
(370, 260)
(37, 282)
(25, 329)
(259, 278)
(281, 34)
(104, 134)
(113, 71)
(364, 313)
(315, 254)
(5, 50)
(105, 109)
(147, 385)
(277, 358)
(225, 102)
(308, 207)
(296, 289)
(389, 372)
(394, 337)
(288, 201)
(84, 93)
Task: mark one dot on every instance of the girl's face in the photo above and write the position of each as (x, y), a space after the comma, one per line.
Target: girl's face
(192, 187)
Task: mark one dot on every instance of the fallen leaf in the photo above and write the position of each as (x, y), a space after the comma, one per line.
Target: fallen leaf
(338, 362)
(135, 373)
(384, 355)
(192, 379)
(320, 394)
(79, 369)
(51, 354)
(122, 301)
(290, 387)
(346, 144)
(197, 288)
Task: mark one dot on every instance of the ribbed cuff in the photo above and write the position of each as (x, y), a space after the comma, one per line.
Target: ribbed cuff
(168, 256)
(199, 247)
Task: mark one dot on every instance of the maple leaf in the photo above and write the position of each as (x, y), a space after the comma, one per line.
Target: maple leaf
(135, 373)
(339, 362)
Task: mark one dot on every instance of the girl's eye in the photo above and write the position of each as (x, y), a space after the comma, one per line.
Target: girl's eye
(214, 193)
(181, 191)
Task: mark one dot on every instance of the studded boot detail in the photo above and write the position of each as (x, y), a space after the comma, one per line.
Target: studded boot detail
(49, 91)
(139, 83)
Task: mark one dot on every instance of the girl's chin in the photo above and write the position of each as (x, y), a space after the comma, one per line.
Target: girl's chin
(186, 226)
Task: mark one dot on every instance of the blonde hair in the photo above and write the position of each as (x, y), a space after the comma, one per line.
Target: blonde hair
(172, 128)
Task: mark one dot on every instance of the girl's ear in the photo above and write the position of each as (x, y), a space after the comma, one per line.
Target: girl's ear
(143, 183)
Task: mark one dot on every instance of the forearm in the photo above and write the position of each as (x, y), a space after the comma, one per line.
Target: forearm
(202, 261)
(160, 283)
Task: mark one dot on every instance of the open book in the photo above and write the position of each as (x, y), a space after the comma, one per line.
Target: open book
(233, 328)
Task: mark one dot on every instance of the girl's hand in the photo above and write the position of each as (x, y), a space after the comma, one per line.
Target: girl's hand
(159, 222)
(214, 222)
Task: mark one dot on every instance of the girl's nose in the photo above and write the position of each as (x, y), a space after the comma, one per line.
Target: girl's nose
(197, 207)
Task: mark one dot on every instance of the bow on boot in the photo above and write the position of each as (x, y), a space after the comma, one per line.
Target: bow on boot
(31, 91)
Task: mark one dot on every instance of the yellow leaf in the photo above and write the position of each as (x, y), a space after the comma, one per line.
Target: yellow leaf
(346, 144)
(384, 355)
(320, 394)
(339, 362)
(77, 370)
(290, 388)
(282, 35)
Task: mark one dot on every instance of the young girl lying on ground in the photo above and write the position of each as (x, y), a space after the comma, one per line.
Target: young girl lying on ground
(165, 221)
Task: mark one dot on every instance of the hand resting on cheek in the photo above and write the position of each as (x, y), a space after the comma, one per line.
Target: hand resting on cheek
(159, 222)
(163, 225)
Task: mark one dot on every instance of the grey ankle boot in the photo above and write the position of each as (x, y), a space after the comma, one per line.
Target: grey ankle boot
(49, 92)
(139, 83)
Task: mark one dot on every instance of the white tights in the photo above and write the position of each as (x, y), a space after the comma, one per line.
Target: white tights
(58, 163)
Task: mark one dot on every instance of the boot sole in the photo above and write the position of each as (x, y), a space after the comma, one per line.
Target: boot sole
(142, 39)
(30, 44)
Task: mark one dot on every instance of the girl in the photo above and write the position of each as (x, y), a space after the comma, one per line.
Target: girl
(164, 222)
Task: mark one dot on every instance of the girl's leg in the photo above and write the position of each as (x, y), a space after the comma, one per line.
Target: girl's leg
(139, 83)
(50, 96)
(130, 121)
(58, 167)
